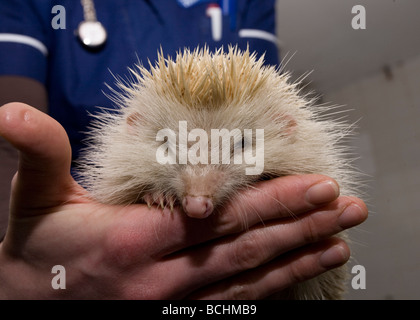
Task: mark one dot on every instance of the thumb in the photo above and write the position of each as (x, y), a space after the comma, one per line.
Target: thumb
(43, 179)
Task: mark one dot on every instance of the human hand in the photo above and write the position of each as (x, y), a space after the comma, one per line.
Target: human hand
(251, 249)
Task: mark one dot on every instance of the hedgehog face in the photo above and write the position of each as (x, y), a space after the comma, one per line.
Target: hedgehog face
(195, 162)
(199, 158)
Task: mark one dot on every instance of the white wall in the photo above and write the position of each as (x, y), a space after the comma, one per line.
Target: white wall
(388, 243)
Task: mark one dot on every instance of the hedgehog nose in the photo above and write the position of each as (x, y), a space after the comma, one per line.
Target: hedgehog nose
(197, 206)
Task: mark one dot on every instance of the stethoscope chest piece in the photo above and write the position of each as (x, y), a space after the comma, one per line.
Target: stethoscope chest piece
(92, 34)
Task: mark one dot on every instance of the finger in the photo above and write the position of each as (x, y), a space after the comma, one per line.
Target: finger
(281, 273)
(261, 244)
(44, 158)
(283, 197)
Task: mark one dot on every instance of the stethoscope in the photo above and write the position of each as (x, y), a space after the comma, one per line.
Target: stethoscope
(93, 35)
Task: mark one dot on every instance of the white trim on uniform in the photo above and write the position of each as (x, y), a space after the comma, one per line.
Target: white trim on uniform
(259, 34)
(19, 38)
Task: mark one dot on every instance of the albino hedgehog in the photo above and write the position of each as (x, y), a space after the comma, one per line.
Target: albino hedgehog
(165, 143)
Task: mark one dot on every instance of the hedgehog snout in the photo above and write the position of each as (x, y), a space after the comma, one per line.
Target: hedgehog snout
(200, 188)
(197, 207)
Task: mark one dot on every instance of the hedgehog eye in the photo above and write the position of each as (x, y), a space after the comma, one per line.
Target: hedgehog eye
(240, 144)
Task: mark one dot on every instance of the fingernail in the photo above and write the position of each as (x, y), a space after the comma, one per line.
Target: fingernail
(351, 216)
(322, 192)
(334, 256)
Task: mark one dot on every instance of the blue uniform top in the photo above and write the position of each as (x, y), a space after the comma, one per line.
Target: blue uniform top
(75, 77)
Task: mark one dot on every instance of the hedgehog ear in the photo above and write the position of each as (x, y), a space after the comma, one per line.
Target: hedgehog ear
(287, 124)
(133, 120)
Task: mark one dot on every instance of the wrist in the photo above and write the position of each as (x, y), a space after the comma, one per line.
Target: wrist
(15, 277)
(3, 277)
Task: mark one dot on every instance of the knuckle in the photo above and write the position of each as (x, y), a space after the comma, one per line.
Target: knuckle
(248, 253)
(230, 221)
(242, 292)
(297, 272)
(309, 231)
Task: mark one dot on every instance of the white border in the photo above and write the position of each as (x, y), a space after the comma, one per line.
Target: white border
(18, 38)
